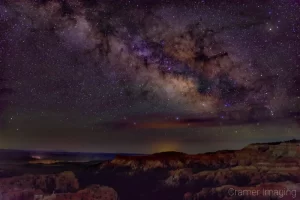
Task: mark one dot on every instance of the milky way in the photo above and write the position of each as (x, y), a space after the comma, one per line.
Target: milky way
(123, 63)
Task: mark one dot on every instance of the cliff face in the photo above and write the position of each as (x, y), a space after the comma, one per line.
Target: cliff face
(211, 175)
(63, 182)
(171, 175)
(94, 192)
(269, 171)
(240, 176)
(38, 187)
(280, 154)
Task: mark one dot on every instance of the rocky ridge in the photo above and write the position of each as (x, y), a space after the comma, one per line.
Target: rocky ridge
(264, 154)
(263, 166)
(61, 186)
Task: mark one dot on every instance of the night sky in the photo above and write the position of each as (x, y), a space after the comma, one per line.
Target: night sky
(147, 76)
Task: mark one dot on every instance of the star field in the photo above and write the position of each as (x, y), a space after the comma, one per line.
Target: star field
(124, 76)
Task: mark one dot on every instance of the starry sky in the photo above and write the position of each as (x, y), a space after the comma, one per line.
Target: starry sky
(145, 76)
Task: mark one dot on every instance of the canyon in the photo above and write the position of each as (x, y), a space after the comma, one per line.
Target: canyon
(258, 171)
